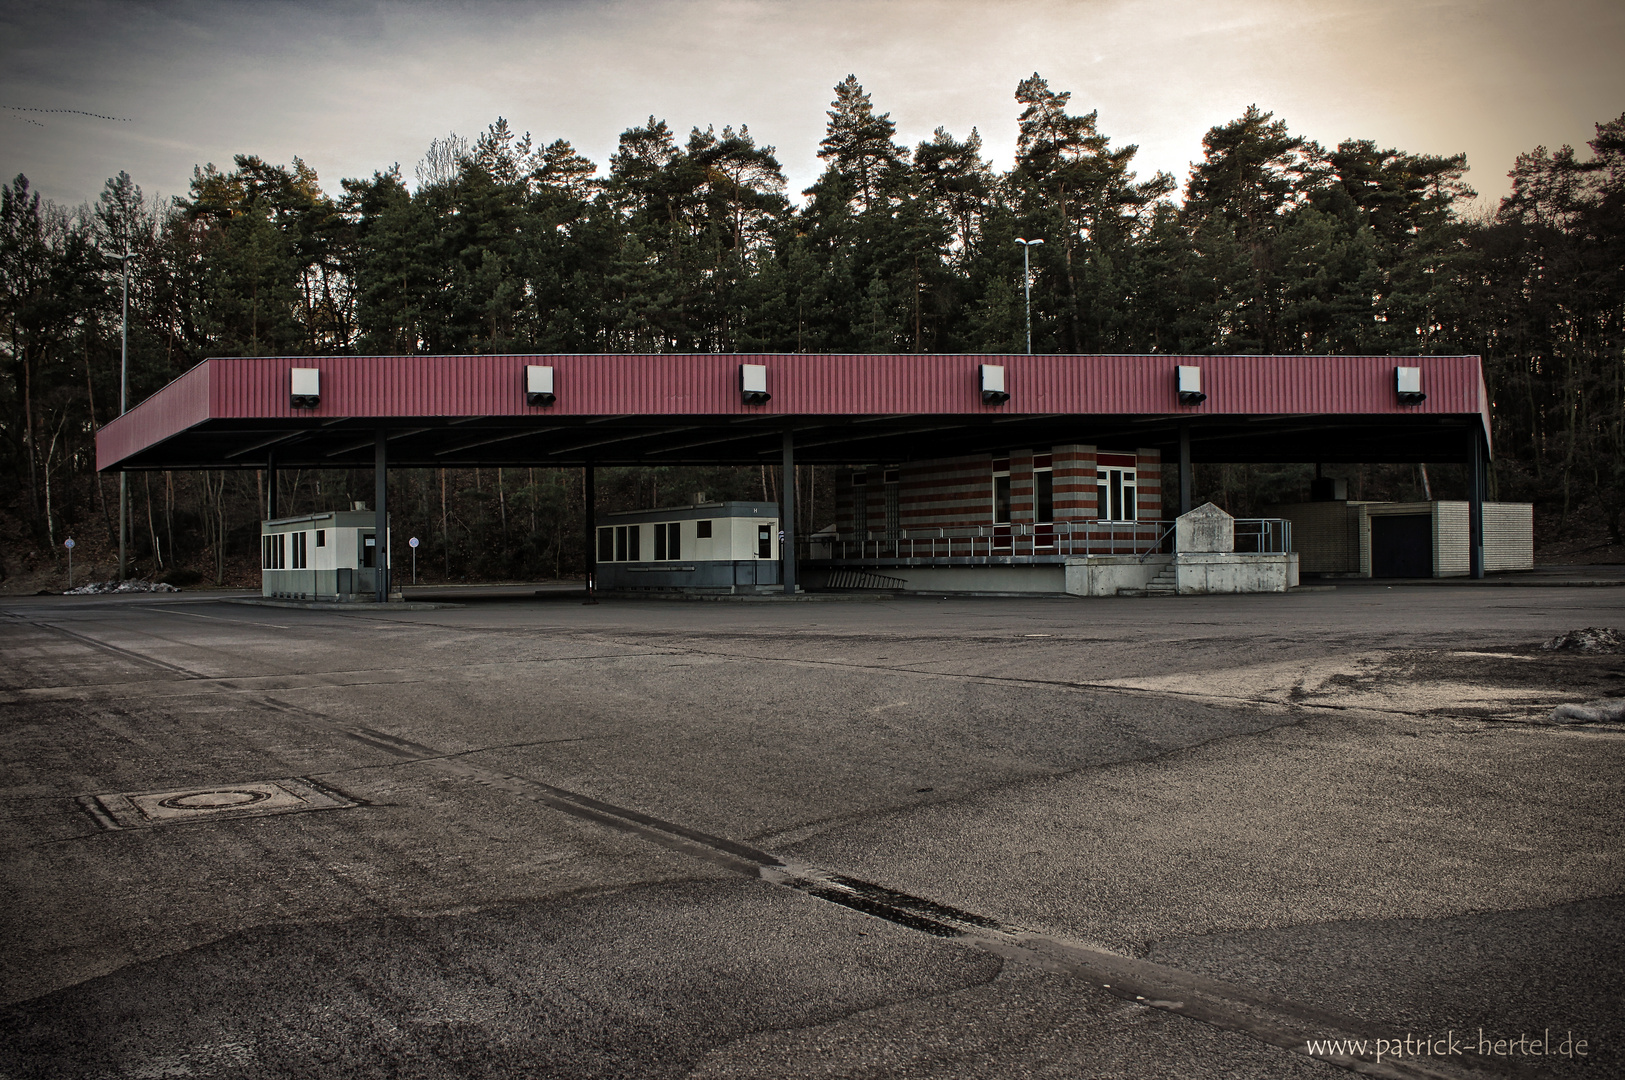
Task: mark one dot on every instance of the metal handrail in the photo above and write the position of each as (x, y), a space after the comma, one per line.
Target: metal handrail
(1141, 539)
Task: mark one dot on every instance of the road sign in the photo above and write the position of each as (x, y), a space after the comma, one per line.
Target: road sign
(413, 541)
(68, 543)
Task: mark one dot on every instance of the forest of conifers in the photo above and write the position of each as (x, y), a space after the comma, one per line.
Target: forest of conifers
(1272, 244)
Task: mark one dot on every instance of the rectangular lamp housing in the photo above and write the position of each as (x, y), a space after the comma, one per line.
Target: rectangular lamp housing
(753, 384)
(1188, 380)
(539, 385)
(991, 379)
(305, 388)
(1408, 385)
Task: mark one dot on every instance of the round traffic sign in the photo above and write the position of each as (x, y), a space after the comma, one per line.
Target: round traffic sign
(413, 541)
(68, 543)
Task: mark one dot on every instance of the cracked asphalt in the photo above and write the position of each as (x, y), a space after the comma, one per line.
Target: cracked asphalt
(566, 850)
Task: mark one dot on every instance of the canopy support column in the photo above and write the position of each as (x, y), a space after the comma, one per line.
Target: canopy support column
(1475, 501)
(380, 496)
(589, 539)
(787, 515)
(270, 487)
(1184, 468)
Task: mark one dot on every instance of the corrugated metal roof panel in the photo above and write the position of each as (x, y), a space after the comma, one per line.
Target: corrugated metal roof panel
(801, 385)
(838, 385)
(182, 404)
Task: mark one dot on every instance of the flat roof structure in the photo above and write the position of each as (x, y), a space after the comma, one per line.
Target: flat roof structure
(670, 409)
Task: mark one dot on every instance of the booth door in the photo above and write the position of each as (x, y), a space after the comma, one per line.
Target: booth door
(1402, 545)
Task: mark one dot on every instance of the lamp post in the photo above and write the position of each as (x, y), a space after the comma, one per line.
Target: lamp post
(1027, 285)
(123, 401)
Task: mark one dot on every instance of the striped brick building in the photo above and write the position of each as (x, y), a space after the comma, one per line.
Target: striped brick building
(1029, 488)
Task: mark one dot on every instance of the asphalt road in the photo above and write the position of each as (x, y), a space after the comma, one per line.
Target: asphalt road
(938, 838)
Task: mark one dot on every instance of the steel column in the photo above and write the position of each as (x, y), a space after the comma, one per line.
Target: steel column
(787, 515)
(380, 495)
(590, 537)
(270, 487)
(1184, 468)
(1475, 501)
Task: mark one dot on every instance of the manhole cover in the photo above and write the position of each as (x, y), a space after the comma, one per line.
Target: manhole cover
(215, 800)
(134, 810)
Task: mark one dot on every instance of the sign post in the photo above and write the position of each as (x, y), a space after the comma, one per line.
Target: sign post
(68, 543)
(414, 545)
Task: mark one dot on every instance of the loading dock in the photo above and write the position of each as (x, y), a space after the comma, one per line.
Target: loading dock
(1408, 540)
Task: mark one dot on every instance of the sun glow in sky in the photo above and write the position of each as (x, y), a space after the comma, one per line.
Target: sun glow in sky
(353, 87)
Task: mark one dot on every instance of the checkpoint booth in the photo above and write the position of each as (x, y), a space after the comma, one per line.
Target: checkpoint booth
(721, 547)
(331, 556)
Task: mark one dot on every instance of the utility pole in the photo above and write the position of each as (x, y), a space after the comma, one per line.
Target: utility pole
(1027, 285)
(123, 405)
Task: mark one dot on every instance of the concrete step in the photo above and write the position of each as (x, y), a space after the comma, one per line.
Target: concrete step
(1166, 581)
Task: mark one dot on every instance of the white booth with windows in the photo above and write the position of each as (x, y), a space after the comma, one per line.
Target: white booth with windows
(728, 547)
(330, 556)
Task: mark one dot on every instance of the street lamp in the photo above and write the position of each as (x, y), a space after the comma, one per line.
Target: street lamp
(1027, 285)
(123, 404)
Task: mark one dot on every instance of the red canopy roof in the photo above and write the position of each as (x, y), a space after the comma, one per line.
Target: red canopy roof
(682, 408)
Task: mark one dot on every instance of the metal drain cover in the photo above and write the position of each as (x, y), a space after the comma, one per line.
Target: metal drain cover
(259, 798)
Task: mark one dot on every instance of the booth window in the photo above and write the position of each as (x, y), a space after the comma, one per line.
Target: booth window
(702, 530)
(301, 550)
(1114, 488)
(626, 543)
(668, 541)
(275, 554)
(321, 537)
(1001, 491)
(606, 544)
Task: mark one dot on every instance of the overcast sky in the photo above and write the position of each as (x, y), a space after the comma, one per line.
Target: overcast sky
(354, 86)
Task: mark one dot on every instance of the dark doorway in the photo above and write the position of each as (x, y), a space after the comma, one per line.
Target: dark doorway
(1402, 545)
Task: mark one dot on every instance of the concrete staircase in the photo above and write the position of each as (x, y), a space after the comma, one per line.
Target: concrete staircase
(1166, 583)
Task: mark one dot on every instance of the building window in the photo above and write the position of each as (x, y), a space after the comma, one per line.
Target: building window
(860, 505)
(1043, 495)
(702, 530)
(1001, 491)
(626, 543)
(276, 551)
(1114, 488)
(668, 541)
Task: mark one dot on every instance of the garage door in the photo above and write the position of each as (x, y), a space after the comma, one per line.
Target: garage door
(1402, 545)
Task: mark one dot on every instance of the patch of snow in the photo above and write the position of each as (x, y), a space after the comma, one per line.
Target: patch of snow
(95, 588)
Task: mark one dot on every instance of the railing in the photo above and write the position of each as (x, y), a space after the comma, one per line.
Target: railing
(1027, 542)
(1271, 536)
